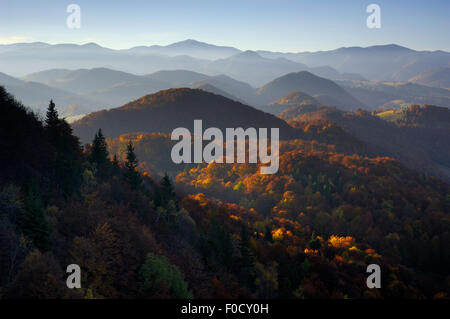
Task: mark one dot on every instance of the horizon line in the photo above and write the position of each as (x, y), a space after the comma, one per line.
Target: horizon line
(223, 46)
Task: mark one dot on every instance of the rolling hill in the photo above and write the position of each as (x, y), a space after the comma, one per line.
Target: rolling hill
(169, 109)
(310, 84)
(423, 148)
(439, 77)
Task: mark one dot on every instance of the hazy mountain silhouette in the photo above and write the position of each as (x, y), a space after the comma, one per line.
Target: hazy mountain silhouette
(169, 109)
(38, 95)
(310, 84)
(189, 47)
(89, 80)
(252, 68)
(439, 77)
(177, 77)
(212, 89)
(380, 62)
(390, 94)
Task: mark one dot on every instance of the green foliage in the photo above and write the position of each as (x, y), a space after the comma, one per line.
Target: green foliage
(162, 279)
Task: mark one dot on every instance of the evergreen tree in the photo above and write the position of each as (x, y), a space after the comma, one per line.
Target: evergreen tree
(99, 151)
(64, 161)
(247, 259)
(133, 176)
(220, 244)
(52, 119)
(166, 192)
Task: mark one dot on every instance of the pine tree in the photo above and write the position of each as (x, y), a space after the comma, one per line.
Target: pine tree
(166, 193)
(99, 151)
(133, 176)
(66, 169)
(247, 263)
(52, 119)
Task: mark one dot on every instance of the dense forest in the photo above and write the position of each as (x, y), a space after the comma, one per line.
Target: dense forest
(140, 227)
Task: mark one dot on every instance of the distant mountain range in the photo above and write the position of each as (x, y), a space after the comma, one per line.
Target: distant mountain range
(114, 88)
(381, 63)
(82, 91)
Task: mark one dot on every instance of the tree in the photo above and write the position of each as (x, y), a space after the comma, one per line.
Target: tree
(99, 151)
(52, 119)
(133, 176)
(247, 262)
(66, 169)
(40, 277)
(166, 193)
(162, 279)
(220, 242)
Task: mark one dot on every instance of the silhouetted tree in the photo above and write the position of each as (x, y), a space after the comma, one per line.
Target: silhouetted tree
(65, 163)
(166, 192)
(133, 176)
(99, 151)
(52, 119)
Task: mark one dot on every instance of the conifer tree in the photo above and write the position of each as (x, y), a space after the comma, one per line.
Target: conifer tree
(166, 192)
(99, 152)
(247, 262)
(133, 176)
(64, 161)
(52, 119)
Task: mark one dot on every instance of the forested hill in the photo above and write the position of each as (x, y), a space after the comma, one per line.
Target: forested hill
(222, 231)
(169, 109)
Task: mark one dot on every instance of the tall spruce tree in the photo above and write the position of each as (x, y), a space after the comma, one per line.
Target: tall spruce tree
(52, 119)
(99, 151)
(166, 192)
(65, 163)
(133, 176)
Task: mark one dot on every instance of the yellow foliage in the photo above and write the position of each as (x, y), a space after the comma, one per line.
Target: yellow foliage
(311, 251)
(341, 242)
(278, 234)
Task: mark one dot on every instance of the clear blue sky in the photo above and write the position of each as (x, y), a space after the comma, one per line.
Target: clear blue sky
(301, 25)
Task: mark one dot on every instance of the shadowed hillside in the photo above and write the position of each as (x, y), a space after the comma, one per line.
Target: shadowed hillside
(169, 109)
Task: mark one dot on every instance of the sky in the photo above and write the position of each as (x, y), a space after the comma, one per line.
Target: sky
(278, 25)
